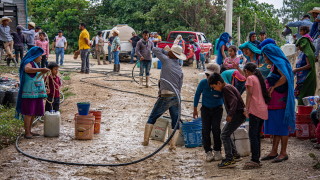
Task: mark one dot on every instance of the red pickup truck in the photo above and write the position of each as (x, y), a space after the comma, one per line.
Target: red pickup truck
(199, 37)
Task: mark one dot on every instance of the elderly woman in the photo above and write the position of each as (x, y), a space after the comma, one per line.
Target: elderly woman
(115, 48)
(253, 54)
(281, 109)
(222, 47)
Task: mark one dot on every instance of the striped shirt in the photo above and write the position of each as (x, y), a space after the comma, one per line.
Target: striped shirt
(170, 71)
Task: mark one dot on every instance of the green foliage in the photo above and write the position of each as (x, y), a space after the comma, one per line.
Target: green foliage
(10, 127)
(293, 10)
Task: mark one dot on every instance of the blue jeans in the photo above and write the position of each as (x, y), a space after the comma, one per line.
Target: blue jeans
(59, 53)
(161, 106)
(255, 125)
(116, 57)
(110, 54)
(145, 65)
(133, 52)
(229, 147)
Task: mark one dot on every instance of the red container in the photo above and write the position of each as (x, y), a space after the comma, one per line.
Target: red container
(304, 109)
(304, 127)
(97, 114)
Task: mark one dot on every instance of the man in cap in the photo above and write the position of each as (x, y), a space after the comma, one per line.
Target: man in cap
(18, 43)
(134, 40)
(84, 47)
(305, 21)
(211, 114)
(168, 96)
(29, 34)
(143, 50)
(115, 49)
(59, 44)
(6, 38)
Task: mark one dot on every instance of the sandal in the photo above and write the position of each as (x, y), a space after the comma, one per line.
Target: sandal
(28, 137)
(251, 165)
(269, 157)
(35, 134)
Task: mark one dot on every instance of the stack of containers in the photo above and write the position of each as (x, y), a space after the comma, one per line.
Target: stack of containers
(305, 129)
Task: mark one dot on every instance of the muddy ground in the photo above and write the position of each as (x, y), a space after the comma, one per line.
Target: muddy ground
(124, 116)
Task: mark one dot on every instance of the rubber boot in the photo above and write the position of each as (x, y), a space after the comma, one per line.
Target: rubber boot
(8, 61)
(172, 146)
(147, 81)
(99, 62)
(114, 68)
(141, 81)
(147, 133)
(118, 69)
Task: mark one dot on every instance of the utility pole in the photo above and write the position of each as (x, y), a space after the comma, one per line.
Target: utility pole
(239, 33)
(228, 26)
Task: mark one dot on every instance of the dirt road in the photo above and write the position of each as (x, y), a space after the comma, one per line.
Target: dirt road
(124, 116)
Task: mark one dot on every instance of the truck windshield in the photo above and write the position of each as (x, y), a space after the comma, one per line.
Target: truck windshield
(185, 36)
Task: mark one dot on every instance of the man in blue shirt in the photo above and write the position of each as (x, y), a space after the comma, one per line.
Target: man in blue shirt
(29, 34)
(305, 21)
(211, 114)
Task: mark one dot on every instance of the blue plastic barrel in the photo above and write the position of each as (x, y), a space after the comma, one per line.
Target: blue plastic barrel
(159, 65)
(192, 133)
(83, 108)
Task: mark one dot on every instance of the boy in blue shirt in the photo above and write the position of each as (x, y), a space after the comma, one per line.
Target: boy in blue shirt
(211, 114)
(202, 59)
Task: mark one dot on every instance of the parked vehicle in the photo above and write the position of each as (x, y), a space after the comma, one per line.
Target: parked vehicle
(189, 51)
(125, 35)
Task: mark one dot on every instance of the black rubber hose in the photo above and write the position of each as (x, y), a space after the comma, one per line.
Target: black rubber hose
(109, 165)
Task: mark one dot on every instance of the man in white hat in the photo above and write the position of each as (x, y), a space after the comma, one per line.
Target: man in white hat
(115, 49)
(168, 100)
(6, 38)
(211, 114)
(30, 34)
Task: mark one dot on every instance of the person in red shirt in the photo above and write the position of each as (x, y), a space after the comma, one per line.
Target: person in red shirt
(53, 83)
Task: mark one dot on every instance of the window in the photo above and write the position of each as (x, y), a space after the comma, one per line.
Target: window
(185, 36)
(204, 39)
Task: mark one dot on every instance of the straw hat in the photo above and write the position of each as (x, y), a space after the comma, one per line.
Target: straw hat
(178, 52)
(212, 68)
(5, 18)
(116, 31)
(315, 10)
(32, 24)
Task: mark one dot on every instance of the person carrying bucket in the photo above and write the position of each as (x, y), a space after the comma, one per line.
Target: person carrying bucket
(172, 72)
(211, 114)
(32, 89)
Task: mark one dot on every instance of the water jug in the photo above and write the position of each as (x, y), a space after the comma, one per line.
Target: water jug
(52, 124)
(241, 140)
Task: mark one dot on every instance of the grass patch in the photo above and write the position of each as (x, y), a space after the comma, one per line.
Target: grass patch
(68, 94)
(10, 127)
(66, 78)
(6, 69)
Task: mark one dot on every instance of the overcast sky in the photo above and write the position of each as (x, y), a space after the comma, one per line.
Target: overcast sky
(276, 3)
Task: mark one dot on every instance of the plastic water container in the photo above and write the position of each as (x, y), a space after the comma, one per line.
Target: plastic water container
(192, 133)
(201, 76)
(159, 130)
(83, 108)
(288, 49)
(52, 124)
(241, 141)
(304, 110)
(305, 129)
(159, 65)
(97, 114)
(84, 126)
(154, 63)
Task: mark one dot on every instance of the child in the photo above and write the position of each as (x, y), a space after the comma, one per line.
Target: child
(202, 59)
(211, 114)
(32, 89)
(44, 44)
(257, 109)
(235, 117)
(229, 61)
(53, 91)
(305, 67)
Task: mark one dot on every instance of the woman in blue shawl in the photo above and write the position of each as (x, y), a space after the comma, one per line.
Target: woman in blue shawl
(222, 47)
(253, 54)
(32, 89)
(281, 109)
